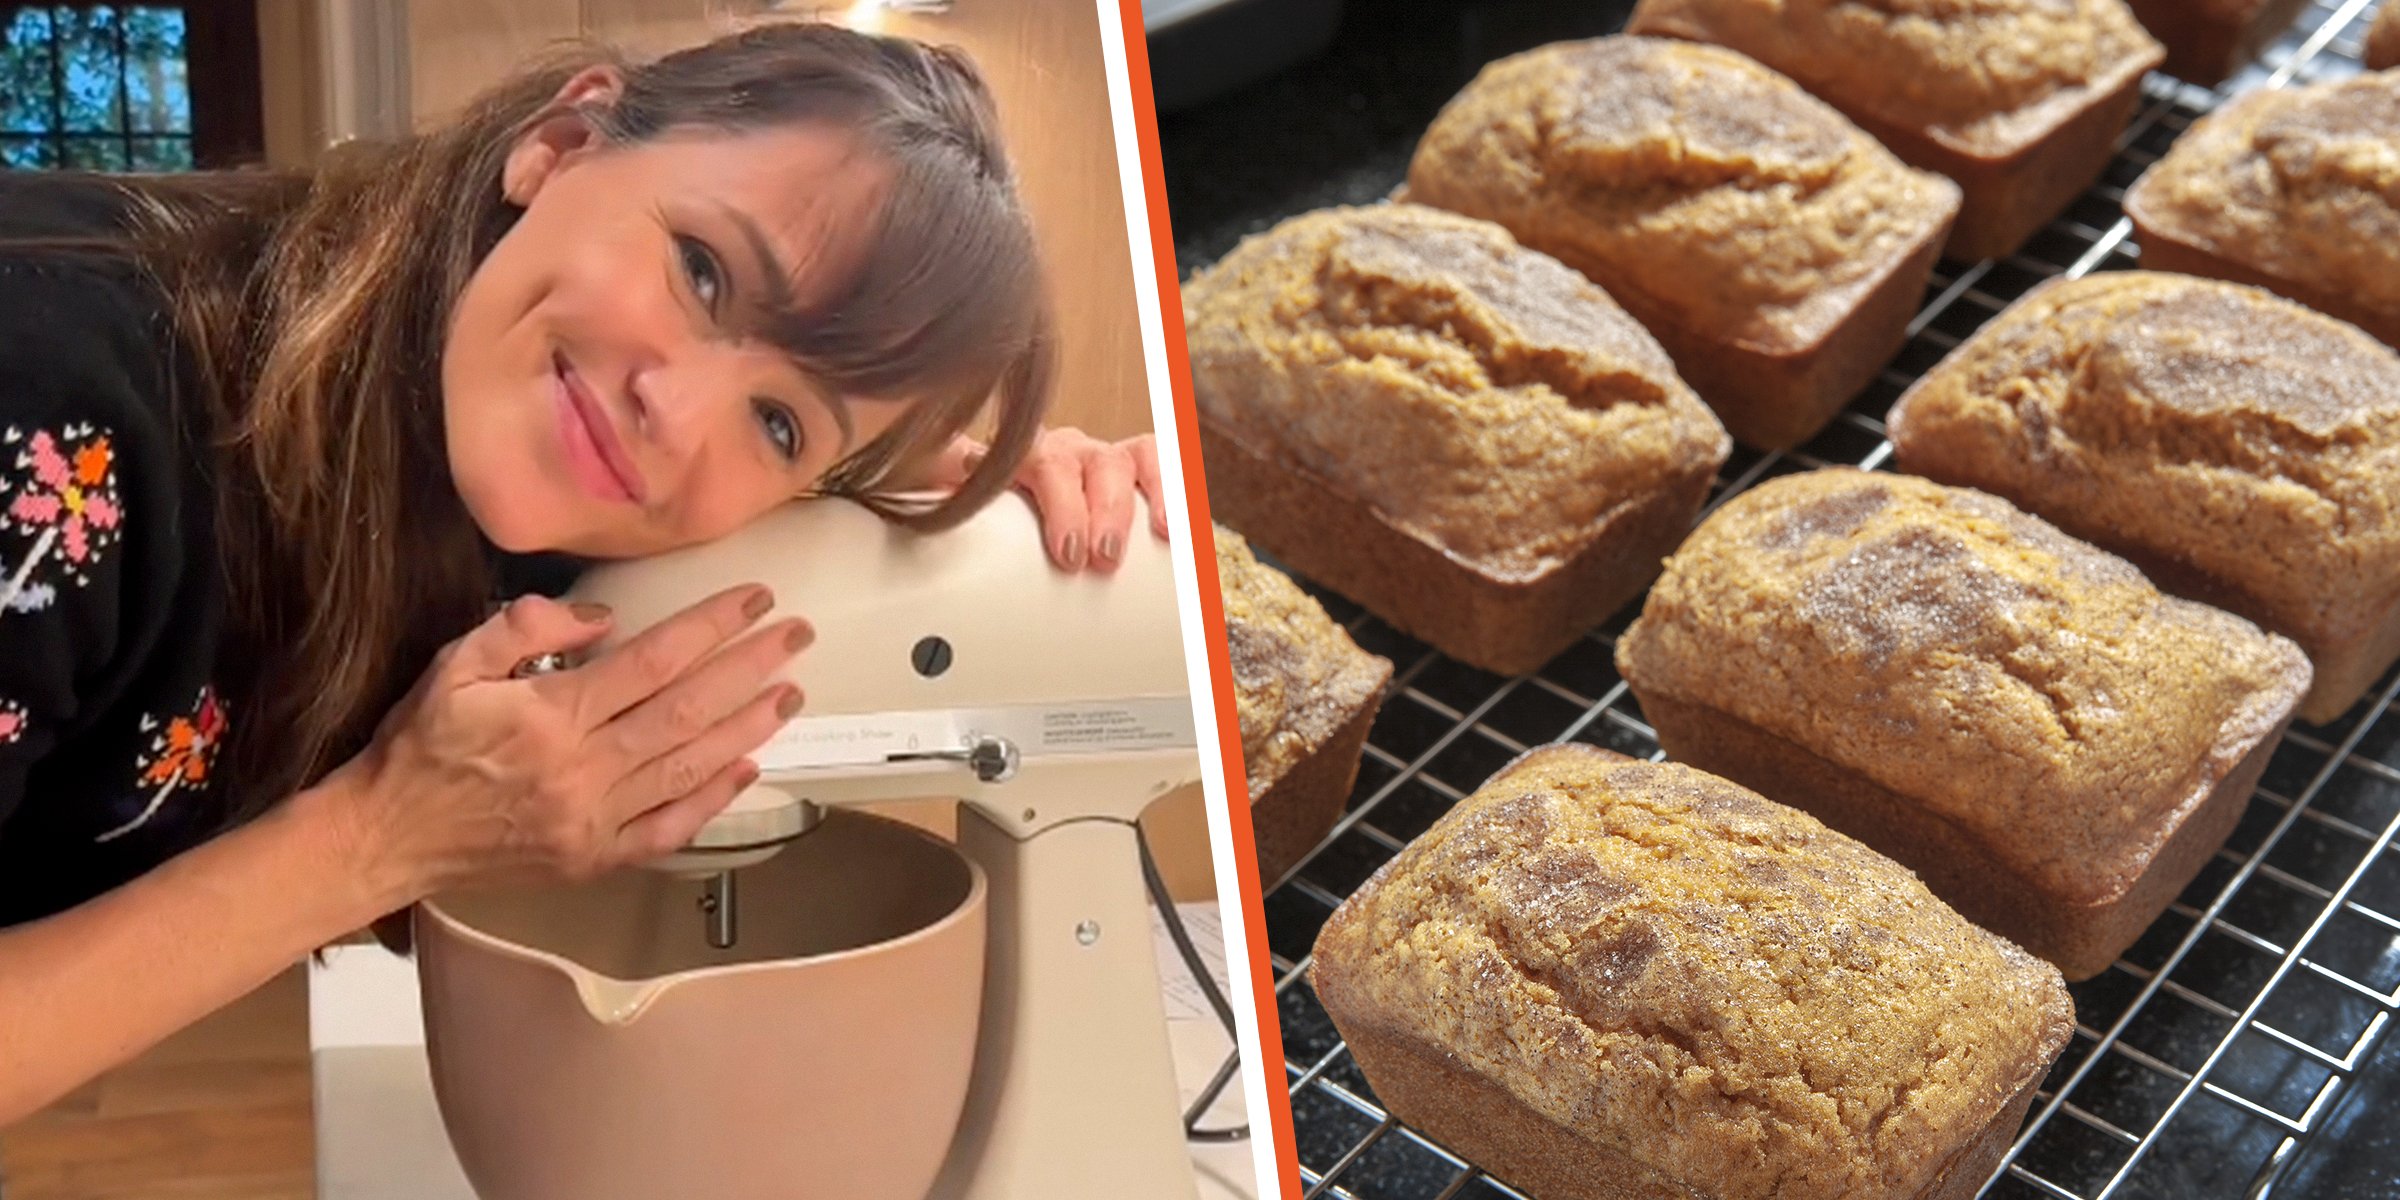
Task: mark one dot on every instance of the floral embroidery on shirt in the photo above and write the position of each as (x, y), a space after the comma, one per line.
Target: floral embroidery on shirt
(60, 493)
(179, 756)
(12, 721)
(31, 597)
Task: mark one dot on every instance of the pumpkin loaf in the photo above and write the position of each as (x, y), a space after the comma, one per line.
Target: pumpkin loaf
(1306, 696)
(2017, 716)
(2296, 190)
(1775, 250)
(2238, 448)
(1598, 978)
(1460, 434)
(2020, 101)
(2208, 41)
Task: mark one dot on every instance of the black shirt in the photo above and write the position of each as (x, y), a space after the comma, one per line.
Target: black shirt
(111, 598)
(112, 602)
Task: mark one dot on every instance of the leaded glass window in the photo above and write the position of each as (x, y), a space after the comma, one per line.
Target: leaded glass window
(96, 87)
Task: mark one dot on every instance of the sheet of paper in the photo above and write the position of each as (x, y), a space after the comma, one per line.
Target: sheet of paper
(1185, 1001)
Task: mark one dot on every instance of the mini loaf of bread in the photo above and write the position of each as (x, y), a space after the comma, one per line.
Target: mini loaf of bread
(1776, 251)
(2383, 39)
(1599, 978)
(1460, 434)
(2020, 101)
(2208, 40)
(2238, 448)
(1306, 696)
(2296, 190)
(2022, 719)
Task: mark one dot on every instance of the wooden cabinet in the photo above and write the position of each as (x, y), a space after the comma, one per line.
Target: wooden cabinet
(1043, 60)
(456, 48)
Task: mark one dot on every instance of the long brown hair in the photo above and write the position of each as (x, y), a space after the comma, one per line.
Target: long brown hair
(315, 311)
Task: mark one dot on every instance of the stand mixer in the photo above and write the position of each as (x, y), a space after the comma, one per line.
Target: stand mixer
(1053, 707)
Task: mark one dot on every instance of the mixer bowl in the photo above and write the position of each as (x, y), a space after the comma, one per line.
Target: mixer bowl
(588, 1044)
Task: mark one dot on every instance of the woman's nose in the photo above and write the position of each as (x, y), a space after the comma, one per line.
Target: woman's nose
(682, 395)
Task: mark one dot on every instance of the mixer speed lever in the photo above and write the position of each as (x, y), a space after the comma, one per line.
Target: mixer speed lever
(993, 759)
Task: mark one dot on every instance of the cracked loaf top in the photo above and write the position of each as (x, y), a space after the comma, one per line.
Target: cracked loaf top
(2036, 693)
(2210, 423)
(1478, 395)
(2301, 183)
(1712, 186)
(1297, 676)
(1985, 77)
(1715, 986)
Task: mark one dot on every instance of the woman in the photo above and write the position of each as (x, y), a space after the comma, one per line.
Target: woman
(268, 447)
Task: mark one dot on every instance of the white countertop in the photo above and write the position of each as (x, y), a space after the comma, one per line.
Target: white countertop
(379, 1133)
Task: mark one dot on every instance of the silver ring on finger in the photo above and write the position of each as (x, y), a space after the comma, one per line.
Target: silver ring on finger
(540, 664)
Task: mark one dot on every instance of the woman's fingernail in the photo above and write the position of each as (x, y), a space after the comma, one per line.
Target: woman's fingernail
(797, 638)
(588, 613)
(748, 774)
(759, 601)
(787, 705)
(1109, 546)
(1070, 551)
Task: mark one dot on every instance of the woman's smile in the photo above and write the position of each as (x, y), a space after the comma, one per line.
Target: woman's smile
(594, 453)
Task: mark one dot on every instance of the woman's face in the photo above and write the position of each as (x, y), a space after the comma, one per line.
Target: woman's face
(597, 395)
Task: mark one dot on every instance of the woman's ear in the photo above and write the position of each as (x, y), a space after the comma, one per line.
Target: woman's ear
(541, 150)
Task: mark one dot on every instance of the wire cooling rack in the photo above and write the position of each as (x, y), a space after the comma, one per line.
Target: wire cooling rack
(2231, 1052)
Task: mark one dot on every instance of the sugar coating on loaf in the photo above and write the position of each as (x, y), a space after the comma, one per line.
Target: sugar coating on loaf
(1480, 396)
(1981, 74)
(1713, 985)
(2038, 694)
(1297, 676)
(1716, 187)
(2217, 424)
(2299, 183)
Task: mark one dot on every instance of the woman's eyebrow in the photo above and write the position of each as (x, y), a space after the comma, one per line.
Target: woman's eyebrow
(762, 253)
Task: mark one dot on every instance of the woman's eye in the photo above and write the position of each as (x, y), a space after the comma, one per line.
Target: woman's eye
(700, 267)
(782, 428)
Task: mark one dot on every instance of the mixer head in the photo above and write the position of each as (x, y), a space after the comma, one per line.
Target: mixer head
(941, 662)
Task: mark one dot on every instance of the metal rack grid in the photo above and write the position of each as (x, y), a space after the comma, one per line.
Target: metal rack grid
(2204, 1062)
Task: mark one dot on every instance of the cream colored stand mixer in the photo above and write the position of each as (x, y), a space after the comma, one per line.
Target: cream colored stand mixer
(1054, 707)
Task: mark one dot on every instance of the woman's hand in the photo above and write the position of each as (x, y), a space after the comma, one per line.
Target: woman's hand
(1083, 488)
(478, 777)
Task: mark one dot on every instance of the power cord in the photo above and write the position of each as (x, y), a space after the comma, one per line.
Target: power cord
(1208, 987)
